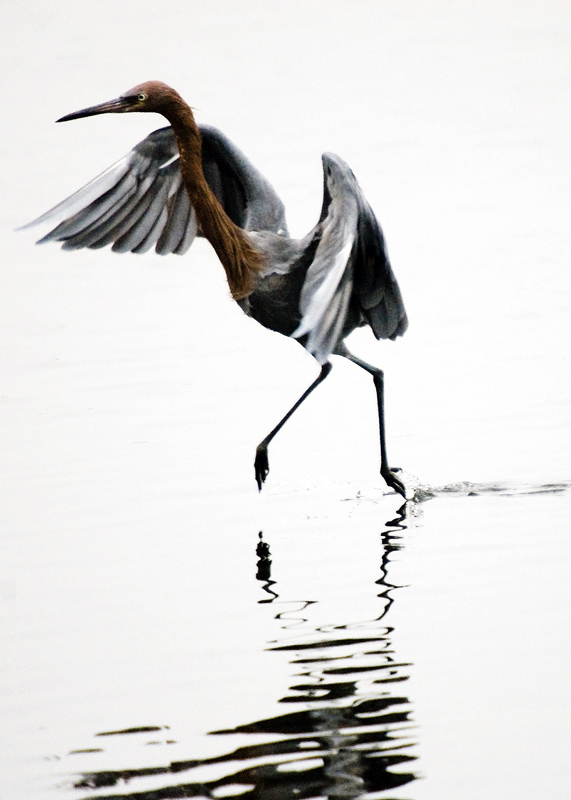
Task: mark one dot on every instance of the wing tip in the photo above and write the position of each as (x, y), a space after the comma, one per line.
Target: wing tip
(402, 328)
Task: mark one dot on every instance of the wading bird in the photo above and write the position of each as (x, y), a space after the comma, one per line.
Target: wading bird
(185, 180)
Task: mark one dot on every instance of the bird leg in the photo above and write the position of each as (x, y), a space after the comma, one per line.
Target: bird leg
(378, 379)
(261, 463)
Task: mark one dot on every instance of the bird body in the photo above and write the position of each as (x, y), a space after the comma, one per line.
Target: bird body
(185, 180)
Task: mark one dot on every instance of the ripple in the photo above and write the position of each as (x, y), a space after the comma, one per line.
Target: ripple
(468, 489)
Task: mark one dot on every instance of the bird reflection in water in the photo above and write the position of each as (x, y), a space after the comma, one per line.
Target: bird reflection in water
(353, 736)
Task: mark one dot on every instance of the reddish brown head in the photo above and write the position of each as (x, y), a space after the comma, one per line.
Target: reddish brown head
(149, 96)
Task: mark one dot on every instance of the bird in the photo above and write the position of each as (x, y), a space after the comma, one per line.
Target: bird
(185, 180)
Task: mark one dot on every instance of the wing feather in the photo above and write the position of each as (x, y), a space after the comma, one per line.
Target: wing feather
(146, 218)
(110, 226)
(140, 201)
(350, 263)
(376, 287)
(97, 211)
(177, 221)
(81, 199)
(327, 287)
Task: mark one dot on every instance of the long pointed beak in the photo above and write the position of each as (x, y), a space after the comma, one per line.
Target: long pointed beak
(110, 107)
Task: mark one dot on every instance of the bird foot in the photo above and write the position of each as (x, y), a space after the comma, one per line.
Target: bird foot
(391, 480)
(261, 465)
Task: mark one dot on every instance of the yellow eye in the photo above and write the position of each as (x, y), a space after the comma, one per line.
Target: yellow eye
(142, 97)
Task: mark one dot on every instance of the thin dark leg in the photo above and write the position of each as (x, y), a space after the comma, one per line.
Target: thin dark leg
(261, 463)
(378, 378)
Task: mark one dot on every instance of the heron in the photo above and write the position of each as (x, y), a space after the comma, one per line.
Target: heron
(187, 180)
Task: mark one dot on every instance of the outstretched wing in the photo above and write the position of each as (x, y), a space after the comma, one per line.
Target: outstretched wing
(140, 201)
(351, 263)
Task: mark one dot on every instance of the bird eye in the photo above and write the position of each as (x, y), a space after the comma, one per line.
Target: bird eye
(141, 97)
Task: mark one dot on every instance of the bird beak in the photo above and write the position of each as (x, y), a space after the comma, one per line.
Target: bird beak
(117, 106)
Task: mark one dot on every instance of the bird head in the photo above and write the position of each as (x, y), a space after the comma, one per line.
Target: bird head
(148, 96)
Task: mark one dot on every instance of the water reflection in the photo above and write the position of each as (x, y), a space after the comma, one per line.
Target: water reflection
(352, 736)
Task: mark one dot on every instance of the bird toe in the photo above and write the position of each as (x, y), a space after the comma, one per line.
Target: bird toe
(261, 466)
(395, 483)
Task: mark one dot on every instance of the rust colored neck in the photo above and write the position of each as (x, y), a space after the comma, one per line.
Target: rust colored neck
(240, 260)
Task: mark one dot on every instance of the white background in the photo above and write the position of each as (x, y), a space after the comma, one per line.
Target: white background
(133, 391)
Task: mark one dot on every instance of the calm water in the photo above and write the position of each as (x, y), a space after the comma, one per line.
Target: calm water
(166, 631)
